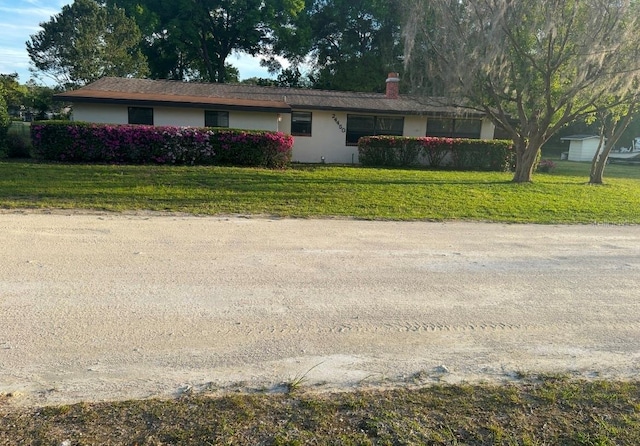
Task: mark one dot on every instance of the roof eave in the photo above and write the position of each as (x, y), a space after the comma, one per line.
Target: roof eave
(404, 112)
(284, 108)
(356, 109)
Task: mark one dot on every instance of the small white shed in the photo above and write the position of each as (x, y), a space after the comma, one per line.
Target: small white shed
(582, 147)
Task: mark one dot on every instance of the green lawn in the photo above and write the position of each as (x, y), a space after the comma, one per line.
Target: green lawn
(551, 411)
(323, 191)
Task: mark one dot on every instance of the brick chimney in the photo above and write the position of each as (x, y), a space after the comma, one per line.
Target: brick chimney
(393, 86)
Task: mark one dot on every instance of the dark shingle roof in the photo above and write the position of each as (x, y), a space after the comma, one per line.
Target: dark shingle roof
(248, 97)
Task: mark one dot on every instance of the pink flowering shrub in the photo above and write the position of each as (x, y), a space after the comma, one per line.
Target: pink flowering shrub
(451, 153)
(138, 144)
(546, 166)
(252, 148)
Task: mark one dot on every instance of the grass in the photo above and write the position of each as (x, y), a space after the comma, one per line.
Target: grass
(327, 191)
(547, 411)
(532, 411)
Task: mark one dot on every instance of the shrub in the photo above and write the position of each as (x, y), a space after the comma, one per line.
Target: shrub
(137, 144)
(18, 147)
(459, 154)
(251, 148)
(18, 140)
(390, 151)
(4, 122)
(546, 166)
(483, 155)
(436, 150)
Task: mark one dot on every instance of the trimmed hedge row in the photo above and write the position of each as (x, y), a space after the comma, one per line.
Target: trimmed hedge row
(5, 122)
(140, 144)
(451, 153)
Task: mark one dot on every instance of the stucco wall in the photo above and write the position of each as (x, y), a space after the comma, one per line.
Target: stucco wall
(171, 116)
(328, 140)
(252, 120)
(415, 126)
(488, 129)
(102, 113)
(188, 117)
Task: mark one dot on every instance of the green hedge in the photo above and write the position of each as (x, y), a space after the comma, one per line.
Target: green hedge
(4, 123)
(139, 144)
(449, 153)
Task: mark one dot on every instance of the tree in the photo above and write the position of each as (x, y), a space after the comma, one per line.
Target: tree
(613, 118)
(14, 93)
(532, 67)
(87, 41)
(352, 44)
(39, 99)
(194, 38)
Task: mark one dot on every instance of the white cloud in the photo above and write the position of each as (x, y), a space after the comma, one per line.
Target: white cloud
(13, 55)
(14, 61)
(15, 31)
(38, 13)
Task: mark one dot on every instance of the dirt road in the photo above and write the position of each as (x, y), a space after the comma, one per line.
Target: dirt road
(110, 306)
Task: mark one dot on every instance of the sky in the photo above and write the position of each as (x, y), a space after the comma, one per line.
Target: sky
(19, 19)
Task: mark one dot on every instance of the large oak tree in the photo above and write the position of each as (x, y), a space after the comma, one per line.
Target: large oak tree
(193, 39)
(354, 44)
(532, 67)
(87, 41)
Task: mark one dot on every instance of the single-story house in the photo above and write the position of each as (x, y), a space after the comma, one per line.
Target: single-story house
(326, 125)
(582, 147)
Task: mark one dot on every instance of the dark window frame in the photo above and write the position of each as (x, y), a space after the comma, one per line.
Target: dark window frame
(218, 113)
(451, 129)
(138, 115)
(302, 128)
(352, 136)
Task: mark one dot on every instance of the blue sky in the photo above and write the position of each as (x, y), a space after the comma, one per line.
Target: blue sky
(19, 19)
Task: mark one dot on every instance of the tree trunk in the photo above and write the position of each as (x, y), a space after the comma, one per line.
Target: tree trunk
(525, 162)
(611, 131)
(599, 162)
(222, 70)
(206, 58)
(597, 170)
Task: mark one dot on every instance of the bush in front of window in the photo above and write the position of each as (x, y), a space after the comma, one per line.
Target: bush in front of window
(137, 144)
(390, 151)
(252, 148)
(436, 152)
(484, 155)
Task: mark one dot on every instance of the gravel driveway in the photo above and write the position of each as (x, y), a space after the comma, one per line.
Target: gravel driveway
(111, 306)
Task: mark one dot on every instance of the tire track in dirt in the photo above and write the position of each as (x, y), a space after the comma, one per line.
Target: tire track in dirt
(317, 328)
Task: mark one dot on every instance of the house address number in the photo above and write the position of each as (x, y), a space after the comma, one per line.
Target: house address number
(340, 126)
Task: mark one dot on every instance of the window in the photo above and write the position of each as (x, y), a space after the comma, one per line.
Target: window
(500, 133)
(362, 125)
(141, 115)
(301, 123)
(454, 128)
(216, 118)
